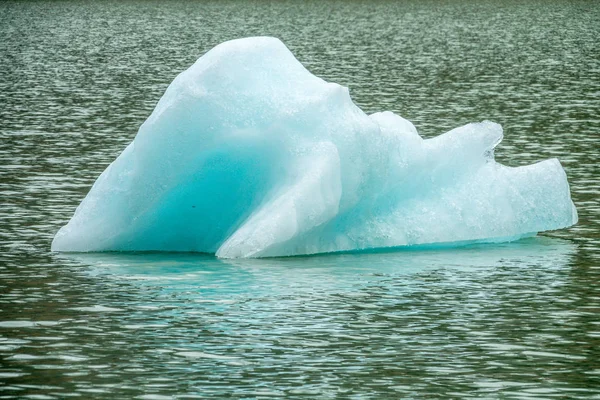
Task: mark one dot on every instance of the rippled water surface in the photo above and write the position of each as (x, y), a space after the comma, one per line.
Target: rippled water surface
(519, 320)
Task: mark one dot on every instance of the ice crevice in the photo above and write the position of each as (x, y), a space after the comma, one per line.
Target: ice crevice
(248, 154)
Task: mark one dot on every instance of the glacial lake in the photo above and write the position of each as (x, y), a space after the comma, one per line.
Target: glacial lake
(516, 320)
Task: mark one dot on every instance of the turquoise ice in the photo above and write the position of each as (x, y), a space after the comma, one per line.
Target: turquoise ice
(248, 154)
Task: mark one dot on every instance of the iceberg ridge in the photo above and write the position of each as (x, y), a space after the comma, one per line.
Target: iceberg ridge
(248, 154)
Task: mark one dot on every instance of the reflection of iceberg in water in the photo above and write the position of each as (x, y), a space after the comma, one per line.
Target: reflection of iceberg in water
(207, 277)
(248, 154)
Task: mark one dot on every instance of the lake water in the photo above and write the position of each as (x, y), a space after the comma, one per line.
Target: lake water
(519, 320)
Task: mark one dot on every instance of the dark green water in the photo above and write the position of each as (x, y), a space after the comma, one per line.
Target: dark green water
(518, 320)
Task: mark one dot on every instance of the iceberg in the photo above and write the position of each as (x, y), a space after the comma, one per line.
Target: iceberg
(248, 154)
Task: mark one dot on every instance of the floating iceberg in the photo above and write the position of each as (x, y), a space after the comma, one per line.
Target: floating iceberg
(248, 154)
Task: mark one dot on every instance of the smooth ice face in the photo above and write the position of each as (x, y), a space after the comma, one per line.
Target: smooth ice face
(248, 154)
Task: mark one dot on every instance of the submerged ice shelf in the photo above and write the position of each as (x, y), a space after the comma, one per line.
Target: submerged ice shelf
(248, 154)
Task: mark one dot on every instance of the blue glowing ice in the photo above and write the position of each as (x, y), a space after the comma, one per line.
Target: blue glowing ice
(248, 154)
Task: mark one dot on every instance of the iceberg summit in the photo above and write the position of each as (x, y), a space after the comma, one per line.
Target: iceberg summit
(248, 154)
